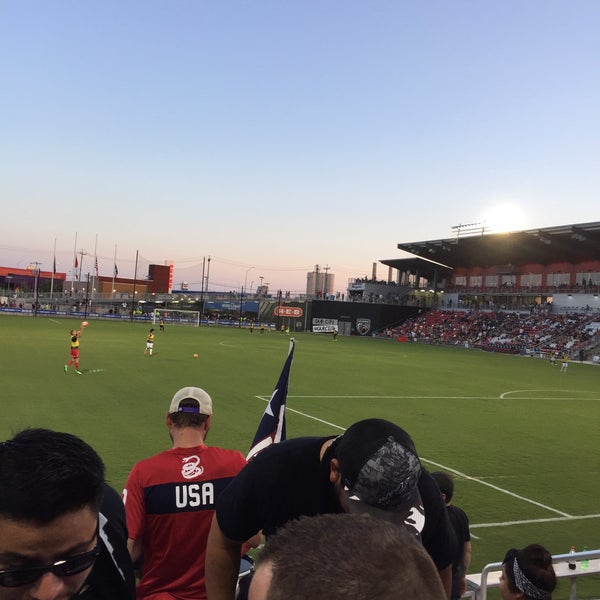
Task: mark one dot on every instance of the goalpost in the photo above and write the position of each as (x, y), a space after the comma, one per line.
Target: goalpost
(177, 317)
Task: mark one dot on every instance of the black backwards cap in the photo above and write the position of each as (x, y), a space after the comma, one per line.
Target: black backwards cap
(380, 470)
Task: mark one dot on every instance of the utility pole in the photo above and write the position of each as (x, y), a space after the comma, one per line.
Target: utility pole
(36, 272)
(202, 291)
(279, 310)
(134, 282)
(87, 292)
(207, 274)
(325, 286)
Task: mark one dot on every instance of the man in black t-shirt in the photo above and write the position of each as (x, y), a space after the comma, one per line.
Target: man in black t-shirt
(372, 468)
(460, 523)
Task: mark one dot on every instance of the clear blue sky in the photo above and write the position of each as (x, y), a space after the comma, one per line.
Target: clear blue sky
(283, 134)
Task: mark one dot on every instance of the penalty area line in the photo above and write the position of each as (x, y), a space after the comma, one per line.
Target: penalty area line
(505, 395)
(298, 412)
(528, 521)
(497, 488)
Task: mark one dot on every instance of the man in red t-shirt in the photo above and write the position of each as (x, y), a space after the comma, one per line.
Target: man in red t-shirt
(170, 500)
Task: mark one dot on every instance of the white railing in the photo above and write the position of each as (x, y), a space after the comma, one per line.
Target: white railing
(586, 563)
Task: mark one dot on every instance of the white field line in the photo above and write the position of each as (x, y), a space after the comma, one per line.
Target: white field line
(501, 397)
(506, 394)
(563, 516)
(527, 521)
(497, 488)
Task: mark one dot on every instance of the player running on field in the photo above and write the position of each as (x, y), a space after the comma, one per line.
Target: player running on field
(75, 335)
(149, 343)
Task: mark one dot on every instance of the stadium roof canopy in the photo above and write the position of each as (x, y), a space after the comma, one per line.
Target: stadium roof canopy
(428, 269)
(567, 243)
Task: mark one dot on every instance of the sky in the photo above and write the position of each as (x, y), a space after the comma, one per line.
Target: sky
(276, 135)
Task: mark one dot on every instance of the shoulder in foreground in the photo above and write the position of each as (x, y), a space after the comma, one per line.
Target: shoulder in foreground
(300, 446)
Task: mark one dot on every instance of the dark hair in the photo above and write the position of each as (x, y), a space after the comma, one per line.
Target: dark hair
(45, 474)
(445, 483)
(188, 419)
(534, 564)
(343, 556)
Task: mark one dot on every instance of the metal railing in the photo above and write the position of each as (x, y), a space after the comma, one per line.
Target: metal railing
(586, 563)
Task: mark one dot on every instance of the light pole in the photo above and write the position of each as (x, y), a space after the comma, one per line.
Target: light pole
(246, 276)
(242, 294)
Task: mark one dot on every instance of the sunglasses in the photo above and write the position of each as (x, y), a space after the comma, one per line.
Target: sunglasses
(61, 568)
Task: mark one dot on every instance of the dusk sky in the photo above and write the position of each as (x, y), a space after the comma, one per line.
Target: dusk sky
(277, 135)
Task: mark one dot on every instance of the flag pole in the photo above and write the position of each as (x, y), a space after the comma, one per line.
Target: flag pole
(112, 289)
(74, 263)
(134, 282)
(271, 428)
(53, 272)
(95, 272)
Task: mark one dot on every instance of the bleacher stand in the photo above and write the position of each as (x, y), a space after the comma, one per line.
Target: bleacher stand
(509, 332)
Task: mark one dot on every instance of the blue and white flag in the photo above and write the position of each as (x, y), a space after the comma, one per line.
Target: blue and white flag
(272, 425)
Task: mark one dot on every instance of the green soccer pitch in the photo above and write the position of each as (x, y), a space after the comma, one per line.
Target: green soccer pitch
(520, 437)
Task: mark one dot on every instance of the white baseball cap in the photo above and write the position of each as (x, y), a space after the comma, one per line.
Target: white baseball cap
(192, 393)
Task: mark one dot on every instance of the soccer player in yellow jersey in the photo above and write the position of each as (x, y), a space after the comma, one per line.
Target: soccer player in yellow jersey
(75, 335)
(149, 343)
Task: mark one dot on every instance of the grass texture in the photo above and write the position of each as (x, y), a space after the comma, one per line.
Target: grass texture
(520, 437)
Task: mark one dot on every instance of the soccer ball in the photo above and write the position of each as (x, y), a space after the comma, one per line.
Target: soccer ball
(195, 356)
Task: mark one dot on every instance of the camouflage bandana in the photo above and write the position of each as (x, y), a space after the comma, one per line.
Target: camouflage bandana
(525, 586)
(388, 478)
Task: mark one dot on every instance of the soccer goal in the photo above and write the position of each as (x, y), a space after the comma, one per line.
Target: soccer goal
(177, 317)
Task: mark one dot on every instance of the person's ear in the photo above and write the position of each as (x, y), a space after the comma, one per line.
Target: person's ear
(335, 473)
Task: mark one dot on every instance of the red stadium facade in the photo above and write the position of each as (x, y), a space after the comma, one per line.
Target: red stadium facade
(515, 270)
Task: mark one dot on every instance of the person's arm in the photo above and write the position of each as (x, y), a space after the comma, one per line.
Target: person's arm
(446, 577)
(135, 549)
(254, 542)
(222, 564)
(464, 567)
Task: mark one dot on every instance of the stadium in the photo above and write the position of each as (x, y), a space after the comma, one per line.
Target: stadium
(518, 435)
(536, 276)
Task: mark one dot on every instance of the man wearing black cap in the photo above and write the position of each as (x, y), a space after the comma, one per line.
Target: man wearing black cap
(372, 468)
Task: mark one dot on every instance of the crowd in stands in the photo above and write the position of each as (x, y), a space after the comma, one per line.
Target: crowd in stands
(348, 517)
(513, 332)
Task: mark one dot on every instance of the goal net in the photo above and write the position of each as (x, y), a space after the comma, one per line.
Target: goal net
(177, 317)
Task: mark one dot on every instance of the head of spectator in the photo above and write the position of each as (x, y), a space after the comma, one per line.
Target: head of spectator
(51, 488)
(375, 469)
(343, 556)
(445, 483)
(189, 416)
(170, 499)
(527, 574)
